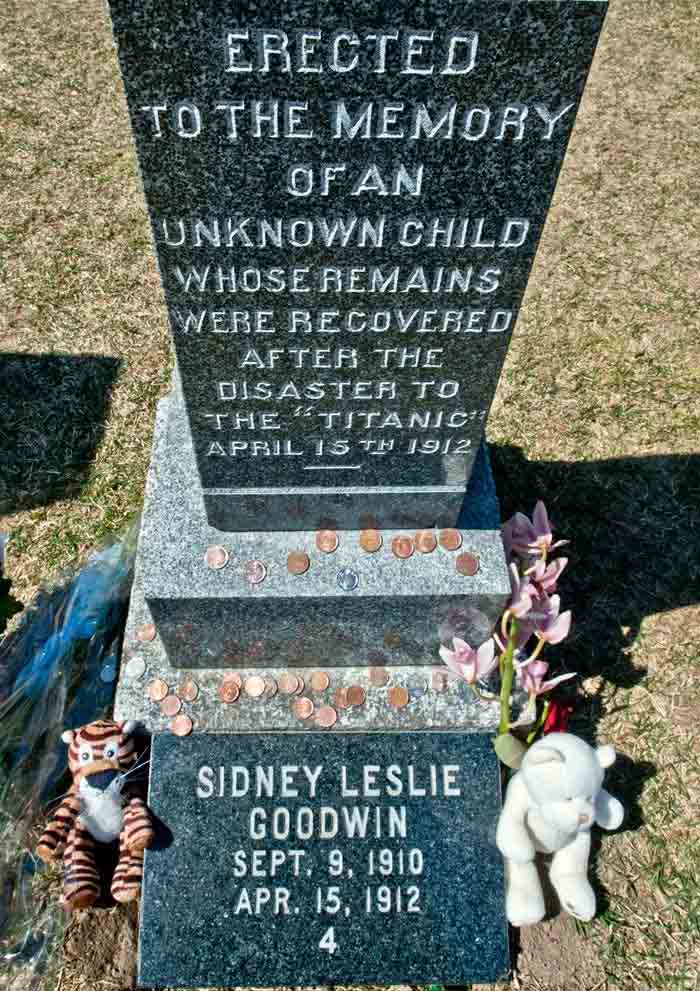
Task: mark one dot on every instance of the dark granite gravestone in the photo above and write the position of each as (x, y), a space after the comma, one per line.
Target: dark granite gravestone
(317, 859)
(346, 199)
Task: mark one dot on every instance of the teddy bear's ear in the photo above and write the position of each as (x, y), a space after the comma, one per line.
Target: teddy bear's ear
(68, 736)
(544, 755)
(128, 727)
(606, 755)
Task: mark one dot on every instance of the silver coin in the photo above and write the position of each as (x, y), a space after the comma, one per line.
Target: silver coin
(347, 579)
(417, 686)
(135, 668)
(109, 672)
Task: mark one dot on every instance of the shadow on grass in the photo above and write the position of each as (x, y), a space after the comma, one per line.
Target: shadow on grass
(634, 526)
(53, 410)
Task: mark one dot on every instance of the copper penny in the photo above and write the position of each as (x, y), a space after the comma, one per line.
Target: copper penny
(450, 539)
(171, 705)
(181, 725)
(356, 695)
(398, 697)
(146, 633)
(402, 547)
(340, 698)
(157, 690)
(426, 541)
(467, 564)
(254, 686)
(288, 684)
(254, 572)
(298, 563)
(303, 708)
(326, 717)
(378, 677)
(188, 690)
(235, 677)
(327, 541)
(216, 557)
(370, 540)
(319, 681)
(229, 690)
(301, 685)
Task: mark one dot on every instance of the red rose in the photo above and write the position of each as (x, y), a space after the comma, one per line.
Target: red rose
(557, 718)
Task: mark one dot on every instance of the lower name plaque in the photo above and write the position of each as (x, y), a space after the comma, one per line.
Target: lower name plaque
(319, 858)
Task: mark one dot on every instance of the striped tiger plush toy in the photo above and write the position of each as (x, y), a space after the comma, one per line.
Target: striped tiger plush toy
(101, 807)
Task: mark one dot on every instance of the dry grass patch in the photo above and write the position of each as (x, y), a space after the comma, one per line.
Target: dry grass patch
(598, 409)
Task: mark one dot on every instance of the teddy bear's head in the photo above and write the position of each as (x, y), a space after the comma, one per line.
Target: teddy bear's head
(100, 751)
(563, 776)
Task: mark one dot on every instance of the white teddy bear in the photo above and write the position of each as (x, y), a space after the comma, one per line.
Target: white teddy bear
(550, 805)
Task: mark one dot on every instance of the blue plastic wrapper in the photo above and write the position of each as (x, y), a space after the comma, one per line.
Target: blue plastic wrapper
(57, 671)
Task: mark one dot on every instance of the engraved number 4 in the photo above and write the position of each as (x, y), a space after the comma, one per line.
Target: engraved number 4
(328, 941)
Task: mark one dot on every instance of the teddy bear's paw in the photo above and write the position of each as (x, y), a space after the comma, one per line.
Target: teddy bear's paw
(524, 899)
(576, 896)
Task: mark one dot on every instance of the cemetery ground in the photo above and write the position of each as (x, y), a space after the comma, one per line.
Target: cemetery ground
(597, 412)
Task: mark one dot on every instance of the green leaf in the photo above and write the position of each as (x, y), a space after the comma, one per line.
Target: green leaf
(510, 751)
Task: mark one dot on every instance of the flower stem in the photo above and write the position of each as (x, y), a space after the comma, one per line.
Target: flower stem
(539, 724)
(506, 666)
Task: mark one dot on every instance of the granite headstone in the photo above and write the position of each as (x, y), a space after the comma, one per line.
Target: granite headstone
(346, 200)
(323, 859)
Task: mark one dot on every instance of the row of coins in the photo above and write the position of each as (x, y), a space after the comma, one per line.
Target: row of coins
(403, 546)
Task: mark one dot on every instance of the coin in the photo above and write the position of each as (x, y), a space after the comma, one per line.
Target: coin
(326, 717)
(254, 572)
(108, 672)
(319, 681)
(157, 690)
(136, 668)
(287, 684)
(235, 677)
(181, 725)
(229, 690)
(270, 687)
(301, 685)
(347, 579)
(340, 698)
(171, 705)
(402, 546)
(370, 540)
(327, 541)
(254, 686)
(417, 686)
(426, 541)
(467, 564)
(216, 557)
(439, 681)
(188, 690)
(378, 677)
(450, 539)
(398, 697)
(356, 695)
(146, 633)
(298, 563)
(303, 708)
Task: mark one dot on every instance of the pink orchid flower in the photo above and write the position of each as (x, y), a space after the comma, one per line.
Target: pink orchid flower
(531, 678)
(548, 624)
(545, 576)
(521, 593)
(526, 537)
(467, 663)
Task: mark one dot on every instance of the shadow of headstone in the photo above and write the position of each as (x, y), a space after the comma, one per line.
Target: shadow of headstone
(53, 409)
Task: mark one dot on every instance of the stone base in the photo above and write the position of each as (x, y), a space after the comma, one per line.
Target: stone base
(397, 615)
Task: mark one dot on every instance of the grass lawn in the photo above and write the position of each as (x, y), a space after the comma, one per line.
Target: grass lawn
(598, 411)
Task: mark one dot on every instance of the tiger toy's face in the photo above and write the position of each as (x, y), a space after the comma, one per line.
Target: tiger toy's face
(99, 755)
